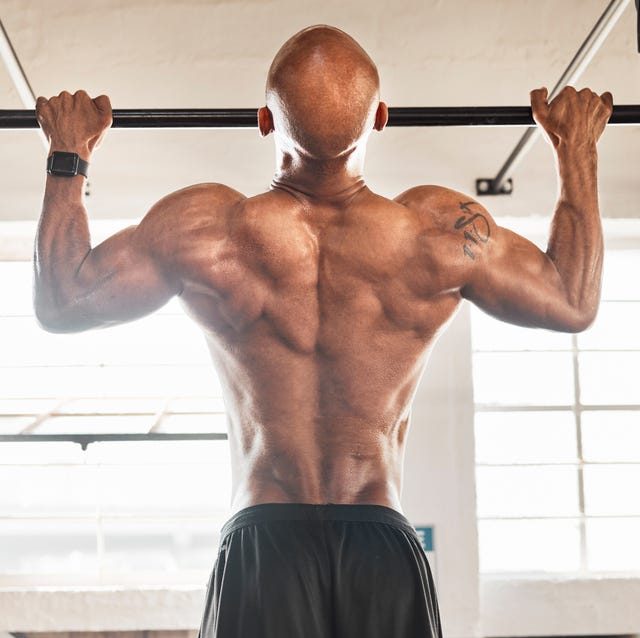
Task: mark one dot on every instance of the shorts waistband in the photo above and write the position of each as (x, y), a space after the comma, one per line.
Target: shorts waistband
(266, 512)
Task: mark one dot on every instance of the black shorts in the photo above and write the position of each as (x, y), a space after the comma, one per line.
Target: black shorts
(320, 571)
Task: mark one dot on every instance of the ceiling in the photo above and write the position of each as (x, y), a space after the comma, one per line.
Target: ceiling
(215, 53)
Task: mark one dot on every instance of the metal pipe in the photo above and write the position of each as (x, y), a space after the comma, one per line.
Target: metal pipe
(17, 75)
(246, 118)
(86, 439)
(576, 67)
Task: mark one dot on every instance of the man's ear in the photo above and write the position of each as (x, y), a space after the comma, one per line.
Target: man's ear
(382, 117)
(265, 121)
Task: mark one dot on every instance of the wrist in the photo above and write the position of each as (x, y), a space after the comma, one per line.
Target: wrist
(64, 189)
(578, 147)
(577, 161)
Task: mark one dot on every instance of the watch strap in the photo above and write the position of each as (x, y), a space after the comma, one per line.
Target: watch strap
(83, 167)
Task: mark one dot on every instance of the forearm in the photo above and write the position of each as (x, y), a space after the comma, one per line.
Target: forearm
(77, 287)
(575, 243)
(62, 244)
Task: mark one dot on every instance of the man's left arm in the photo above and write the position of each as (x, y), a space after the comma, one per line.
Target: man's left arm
(77, 287)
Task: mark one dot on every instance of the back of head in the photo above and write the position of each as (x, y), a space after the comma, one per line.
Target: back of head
(323, 90)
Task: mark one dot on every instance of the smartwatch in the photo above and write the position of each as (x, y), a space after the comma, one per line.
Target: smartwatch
(64, 164)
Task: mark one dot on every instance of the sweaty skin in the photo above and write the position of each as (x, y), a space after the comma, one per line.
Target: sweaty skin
(320, 300)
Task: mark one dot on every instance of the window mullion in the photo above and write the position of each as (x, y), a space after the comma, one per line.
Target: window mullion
(577, 411)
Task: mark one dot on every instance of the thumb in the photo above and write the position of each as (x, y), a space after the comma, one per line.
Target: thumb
(539, 104)
(607, 98)
(103, 103)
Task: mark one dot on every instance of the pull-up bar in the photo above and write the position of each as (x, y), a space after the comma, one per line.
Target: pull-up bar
(247, 118)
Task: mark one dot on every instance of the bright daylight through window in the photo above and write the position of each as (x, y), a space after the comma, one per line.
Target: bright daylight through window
(119, 510)
(558, 437)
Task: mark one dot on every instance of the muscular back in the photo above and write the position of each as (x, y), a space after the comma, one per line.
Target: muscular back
(319, 317)
(320, 311)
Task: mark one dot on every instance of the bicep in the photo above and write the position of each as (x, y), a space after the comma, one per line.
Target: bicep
(513, 280)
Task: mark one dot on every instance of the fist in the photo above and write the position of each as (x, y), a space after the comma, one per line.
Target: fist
(572, 117)
(74, 123)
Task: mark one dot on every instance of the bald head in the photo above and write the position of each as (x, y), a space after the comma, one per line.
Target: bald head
(323, 92)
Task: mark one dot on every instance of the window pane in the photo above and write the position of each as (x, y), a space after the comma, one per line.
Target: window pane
(491, 335)
(94, 425)
(161, 380)
(111, 405)
(529, 546)
(16, 298)
(25, 406)
(186, 489)
(527, 491)
(196, 404)
(48, 546)
(142, 453)
(611, 435)
(525, 437)
(46, 453)
(609, 378)
(124, 381)
(156, 339)
(48, 491)
(14, 424)
(612, 544)
(530, 378)
(161, 544)
(612, 490)
(193, 423)
(616, 328)
(617, 280)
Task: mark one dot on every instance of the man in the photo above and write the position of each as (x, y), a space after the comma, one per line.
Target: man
(320, 302)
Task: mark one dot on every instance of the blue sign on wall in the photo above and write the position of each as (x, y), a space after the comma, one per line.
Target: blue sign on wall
(425, 534)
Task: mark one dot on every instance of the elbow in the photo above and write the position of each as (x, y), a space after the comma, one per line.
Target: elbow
(55, 321)
(49, 320)
(55, 311)
(580, 320)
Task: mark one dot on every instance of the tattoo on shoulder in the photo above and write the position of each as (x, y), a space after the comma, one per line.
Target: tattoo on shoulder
(474, 226)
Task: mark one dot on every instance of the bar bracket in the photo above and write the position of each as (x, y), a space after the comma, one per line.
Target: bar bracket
(488, 186)
(578, 64)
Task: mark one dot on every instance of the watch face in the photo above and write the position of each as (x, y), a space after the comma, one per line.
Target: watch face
(63, 163)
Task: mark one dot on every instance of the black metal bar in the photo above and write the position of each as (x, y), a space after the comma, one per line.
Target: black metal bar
(246, 118)
(86, 439)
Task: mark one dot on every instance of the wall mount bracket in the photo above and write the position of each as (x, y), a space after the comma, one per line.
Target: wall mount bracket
(489, 186)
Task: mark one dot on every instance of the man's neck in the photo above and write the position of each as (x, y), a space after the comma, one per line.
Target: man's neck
(336, 180)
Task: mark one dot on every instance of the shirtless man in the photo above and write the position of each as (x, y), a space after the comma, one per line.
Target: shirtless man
(320, 302)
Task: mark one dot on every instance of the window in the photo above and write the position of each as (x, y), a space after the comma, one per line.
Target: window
(557, 420)
(143, 497)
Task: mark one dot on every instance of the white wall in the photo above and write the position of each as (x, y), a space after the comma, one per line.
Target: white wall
(439, 486)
